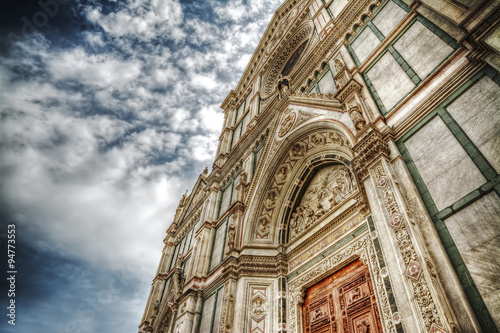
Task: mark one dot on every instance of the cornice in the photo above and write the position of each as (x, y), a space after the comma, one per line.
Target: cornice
(313, 99)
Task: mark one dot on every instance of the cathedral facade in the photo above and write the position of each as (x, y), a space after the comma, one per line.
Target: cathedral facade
(356, 182)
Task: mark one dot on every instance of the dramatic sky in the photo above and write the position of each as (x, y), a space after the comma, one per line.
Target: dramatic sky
(109, 111)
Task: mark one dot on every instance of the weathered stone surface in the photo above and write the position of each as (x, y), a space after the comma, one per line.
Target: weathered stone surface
(477, 111)
(364, 45)
(447, 171)
(389, 17)
(390, 80)
(422, 49)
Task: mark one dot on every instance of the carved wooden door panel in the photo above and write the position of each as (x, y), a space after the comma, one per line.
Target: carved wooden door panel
(342, 303)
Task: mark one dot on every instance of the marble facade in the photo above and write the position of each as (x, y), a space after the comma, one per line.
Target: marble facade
(361, 145)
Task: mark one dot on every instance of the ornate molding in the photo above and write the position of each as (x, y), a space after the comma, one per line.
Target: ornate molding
(270, 79)
(351, 87)
(325, 267)
(371, 146)
(416, 280)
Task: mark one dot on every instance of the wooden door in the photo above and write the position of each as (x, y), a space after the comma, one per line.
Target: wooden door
(342, 303)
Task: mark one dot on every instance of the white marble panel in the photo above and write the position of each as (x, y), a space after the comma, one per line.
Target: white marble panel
(365, 44)
(218, 245)
(390, 81)
(337, 6)
(226, 200)
(327, 84)
(477, 111)
(218, 306)
(476, 232)
(422, 49)
(389, 17)
(444, 166)
(206, 315)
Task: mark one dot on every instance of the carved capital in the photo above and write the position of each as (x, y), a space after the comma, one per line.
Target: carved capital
(369, 149)
(350, 88)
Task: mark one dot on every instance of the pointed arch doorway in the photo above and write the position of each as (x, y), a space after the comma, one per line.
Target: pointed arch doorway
(342, 303)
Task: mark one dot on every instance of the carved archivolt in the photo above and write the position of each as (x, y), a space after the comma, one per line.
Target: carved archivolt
(340, 184)
(329, 187)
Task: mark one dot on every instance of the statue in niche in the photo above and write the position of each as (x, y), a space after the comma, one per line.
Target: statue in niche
(230, 236)
(329, 188)
(357, 117)
(283, 85)
(281, 176)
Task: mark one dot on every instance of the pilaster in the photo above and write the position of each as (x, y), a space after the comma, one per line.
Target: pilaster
(420, 307)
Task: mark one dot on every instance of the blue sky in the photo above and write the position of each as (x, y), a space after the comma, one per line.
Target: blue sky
(109, 111)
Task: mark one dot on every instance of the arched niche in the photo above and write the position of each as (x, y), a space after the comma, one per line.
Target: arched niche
(287, 58)
(324, 141)
(323, 186)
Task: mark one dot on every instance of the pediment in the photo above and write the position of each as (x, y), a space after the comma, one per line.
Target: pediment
(195, 196)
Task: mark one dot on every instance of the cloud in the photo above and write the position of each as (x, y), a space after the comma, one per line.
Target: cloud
(142, 20)
(101, 135)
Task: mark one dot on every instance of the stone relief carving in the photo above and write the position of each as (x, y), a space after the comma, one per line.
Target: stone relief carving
(282, 175)
(298, 150)
(329, 187)
(270, 199)
(257, 307)
(378, 281)
(257, 303)
(287, 124)
(263, 227)
(357, 117)
(414, 268)
(317, 139)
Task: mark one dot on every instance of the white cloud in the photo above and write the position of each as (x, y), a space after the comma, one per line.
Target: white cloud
(142, 20)
(100, 139)
(99, 70)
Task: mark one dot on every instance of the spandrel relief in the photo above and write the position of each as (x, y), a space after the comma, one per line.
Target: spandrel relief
(329, 187)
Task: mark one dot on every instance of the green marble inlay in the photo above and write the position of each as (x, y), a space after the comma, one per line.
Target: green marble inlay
(325, 253)
(390, 294)
(487, 171)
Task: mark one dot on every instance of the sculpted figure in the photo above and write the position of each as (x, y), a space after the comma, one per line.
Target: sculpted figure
(298, 150)
(282, 174)
(336, 138)
(258, 308)
(363, 327)
(271, 199)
